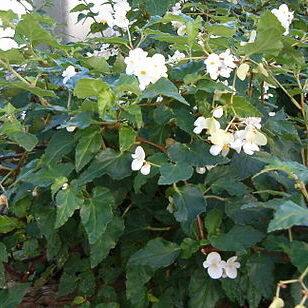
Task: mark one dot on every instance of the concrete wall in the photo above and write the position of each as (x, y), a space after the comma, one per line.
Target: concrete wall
(67, 21)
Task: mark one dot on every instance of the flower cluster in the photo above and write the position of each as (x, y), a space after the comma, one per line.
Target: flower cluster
(146, 69)
(105, 52)
(178, 25)
(220, 65)
(249, 139)
(139, 162)
(176, 57)
(284, 16)
(114, 14)
(218, 268)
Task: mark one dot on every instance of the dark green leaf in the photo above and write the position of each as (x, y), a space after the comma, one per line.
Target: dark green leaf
(173, 173)
(157, 253)
(11, 297)
(26, 140)
(238, 238)
(96, 213)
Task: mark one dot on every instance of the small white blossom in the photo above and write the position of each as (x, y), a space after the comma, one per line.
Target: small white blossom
(214, 265)
(200, 170)
(65, 186)
(177, 56)
(230, 267)
(252, 122)
(139, 162)
(218, 112)
(272, 114)
(105, 52)
(284, 16)
(71, 128)
(68, 73)
(202, 123)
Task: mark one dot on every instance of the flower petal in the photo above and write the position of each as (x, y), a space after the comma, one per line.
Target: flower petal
(146, 169)
(213, 257)
(215, 149)
(137, 164)
(215, 272)
(139, 153)
(231, 272)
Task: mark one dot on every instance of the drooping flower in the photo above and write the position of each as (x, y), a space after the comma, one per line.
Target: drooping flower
(200, 170)
(68, 73)
(230, 267)
(71, 128)
(139, 162)
(202, 123)
(284, 16)
(177, 56)
(221, 141)
(218, 112)
(214, 265)
(277, 303)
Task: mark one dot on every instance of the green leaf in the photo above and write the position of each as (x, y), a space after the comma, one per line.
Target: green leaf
(221, 30)
(127, 137)
(105, 100)
(79, 8)
(88, 145)
(67, 200)
(163, 87)
(126, 83)
(243, 108)
(98, 64)
(157, 253)
(96, 213)
(204, 292)
(35, 90)
(260, 273)
(289, 214)
(8, 224)
(154, 7)
(61, 144)
(30, 27)
(189, 202)
(90, 87)
(3, 253)
(11, 297)
(298, 252)
(238, 238)
(174, 173)
(136, 278)
(100, 249)
(26, 140)
(12, 56)
(269, 36)
(116, 165)
(213, 221)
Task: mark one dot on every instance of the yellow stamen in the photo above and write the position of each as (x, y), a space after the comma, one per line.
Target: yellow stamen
(143, 72)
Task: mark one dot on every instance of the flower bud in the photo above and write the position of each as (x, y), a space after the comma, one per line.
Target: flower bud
(300, 306)
(277, 303)
(3, 200)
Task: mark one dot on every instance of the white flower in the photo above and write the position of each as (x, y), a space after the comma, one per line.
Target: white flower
(139, 162)
(68, 73)
(147, 69)
(252, 122)
(181, 30)
(221, 142)
(6, 39)
(272, 114)
(71, 128)
(177, 56)
(135, 56)
(65, 186)
(145, 169)
(230, 267)
(105, 52)
(218, 112)
(250, 139)
(284, 16)
(213, 64)
(214, 265)
(201, 170)
(121, 20)
(252, 38)
(206, 123)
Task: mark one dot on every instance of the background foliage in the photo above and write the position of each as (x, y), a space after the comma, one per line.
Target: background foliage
(117, 238)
